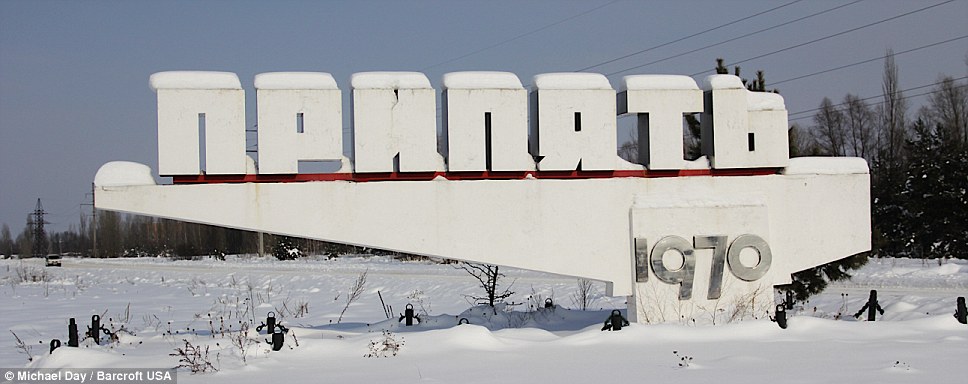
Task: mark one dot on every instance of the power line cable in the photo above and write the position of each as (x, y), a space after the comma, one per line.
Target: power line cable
(869, 60)
(875, 97)
(688, 37)
(902, 98)
(735, 38)
(520, 36)
(833, 35)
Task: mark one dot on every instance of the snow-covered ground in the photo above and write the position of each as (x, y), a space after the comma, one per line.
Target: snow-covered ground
(162, 304)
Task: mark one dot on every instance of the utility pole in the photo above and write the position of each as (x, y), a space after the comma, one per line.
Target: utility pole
(94, 223)
(40, 236)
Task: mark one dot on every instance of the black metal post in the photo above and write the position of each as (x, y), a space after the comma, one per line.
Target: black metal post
(961, 314)
(270, 322)
(278, 338)
(72, 340)
(95, 331)
(408, 315)
(781, 318)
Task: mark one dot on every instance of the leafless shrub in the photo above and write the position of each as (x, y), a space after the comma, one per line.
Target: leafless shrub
(418, 296)
(386, 346)
(356, 290)
(31, 274)
(241, 341)
(585, 296)
(23, 347)
(193, 357)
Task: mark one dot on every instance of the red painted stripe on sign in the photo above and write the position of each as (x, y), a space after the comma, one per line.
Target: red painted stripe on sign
(455, 176)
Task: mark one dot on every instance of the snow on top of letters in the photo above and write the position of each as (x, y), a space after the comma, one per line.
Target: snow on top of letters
(826, 166)
(571, 80)
(764, 101)
(194, 80)
(481, 80)
(722, 82)
(647, 82)
(123, 173)
(295, 80)
(390, 80)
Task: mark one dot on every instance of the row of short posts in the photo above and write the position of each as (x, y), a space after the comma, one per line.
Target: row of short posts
(73, 339)
(614, 322)
(872, 307)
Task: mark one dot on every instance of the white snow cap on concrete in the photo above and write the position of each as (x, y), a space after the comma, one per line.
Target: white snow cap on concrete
(765, 101)
(122, 174)
(481, 80)
(826, 166)
(295, 80)
(722, 82)
(647, 82)
(571, 80)
(390, 80)
(194, 80)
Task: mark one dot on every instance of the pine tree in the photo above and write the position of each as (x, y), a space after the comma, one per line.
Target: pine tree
(814, 280)
(935, 193)
(286, 248)
(889, 206)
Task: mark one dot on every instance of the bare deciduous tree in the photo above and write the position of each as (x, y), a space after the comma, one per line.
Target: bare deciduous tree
(949, 107)
(488, 276)
(892, 112)
(585, 295)
(829, 129)
(859, 124)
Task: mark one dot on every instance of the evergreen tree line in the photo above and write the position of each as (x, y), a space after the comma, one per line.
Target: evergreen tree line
(919, 179)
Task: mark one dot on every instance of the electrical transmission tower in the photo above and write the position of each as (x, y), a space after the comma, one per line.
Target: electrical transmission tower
(39, 235)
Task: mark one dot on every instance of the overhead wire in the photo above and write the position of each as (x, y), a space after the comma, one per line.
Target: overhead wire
(690, 36)
(869, 60)
(519, 36)
(875, 97)
(834, 35)
(735, 38)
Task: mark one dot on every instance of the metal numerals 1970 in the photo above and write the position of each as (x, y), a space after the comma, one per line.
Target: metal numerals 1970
(686, 273)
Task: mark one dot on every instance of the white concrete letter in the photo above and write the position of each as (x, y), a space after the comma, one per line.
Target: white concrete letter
(194, 103)
(743, 129)
(394, 123)
(485, 117)
(573, 126)
(660, 101)
(300, 118)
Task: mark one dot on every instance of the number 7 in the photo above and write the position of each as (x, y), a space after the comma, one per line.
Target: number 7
(718, 245)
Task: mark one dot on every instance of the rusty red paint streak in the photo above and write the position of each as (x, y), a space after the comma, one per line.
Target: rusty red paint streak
(425, 176)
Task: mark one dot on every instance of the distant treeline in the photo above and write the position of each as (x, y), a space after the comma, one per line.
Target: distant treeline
(121, 235)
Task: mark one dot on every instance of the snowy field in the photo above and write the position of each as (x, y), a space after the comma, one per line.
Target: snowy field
(162, 304)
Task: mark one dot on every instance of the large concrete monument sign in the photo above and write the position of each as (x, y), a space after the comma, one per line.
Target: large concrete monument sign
(514, 177)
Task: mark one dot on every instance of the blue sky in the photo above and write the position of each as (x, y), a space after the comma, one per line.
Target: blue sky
(74, 75)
